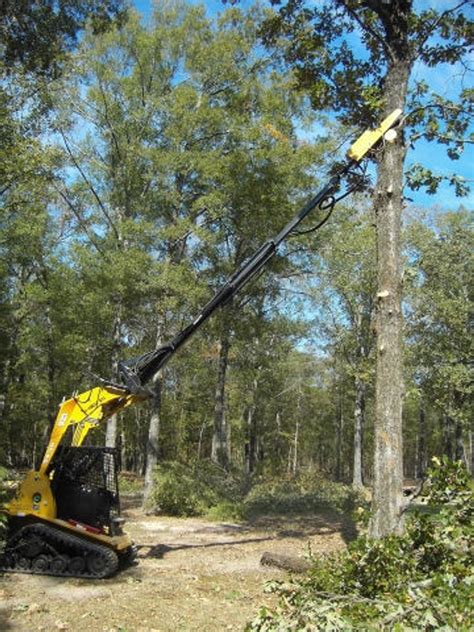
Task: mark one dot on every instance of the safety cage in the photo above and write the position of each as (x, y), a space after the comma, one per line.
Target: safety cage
(85, 485)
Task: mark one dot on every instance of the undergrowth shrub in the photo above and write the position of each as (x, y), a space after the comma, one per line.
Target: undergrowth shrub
(193, 490)
(204, 488)
(307, 492)
(130, 484)
(420, 581)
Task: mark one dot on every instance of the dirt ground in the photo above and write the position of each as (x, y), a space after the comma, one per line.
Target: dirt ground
(191, 575)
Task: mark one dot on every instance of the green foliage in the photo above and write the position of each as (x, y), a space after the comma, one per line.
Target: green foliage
(172, 150)
(193, 490)
(352, 85)
(440, 300)
(206, 489)
(422, 580)
(4, 473)
(307, 492)
(5, 494)
(177, 492)
(226, 510)
(36, 34)
(130, 483)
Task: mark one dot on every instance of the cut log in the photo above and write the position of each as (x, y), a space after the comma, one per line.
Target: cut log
(285, 562)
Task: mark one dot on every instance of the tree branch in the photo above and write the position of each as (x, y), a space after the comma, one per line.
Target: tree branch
(90, 185)
(365, 27)
(80, 219)
(437, 22)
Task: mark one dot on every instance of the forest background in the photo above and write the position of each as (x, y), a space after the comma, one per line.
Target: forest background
(138, 172)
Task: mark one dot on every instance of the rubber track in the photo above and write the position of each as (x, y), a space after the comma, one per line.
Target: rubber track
(63, 543)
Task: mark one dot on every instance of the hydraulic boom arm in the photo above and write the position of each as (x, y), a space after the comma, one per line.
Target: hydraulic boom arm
(136, 373)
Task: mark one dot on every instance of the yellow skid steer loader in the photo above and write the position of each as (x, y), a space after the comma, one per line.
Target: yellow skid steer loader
(65, 517)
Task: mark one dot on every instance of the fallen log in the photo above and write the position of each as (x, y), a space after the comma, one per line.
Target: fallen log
(285, 562)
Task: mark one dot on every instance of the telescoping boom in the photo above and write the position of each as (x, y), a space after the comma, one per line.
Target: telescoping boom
(136, 373)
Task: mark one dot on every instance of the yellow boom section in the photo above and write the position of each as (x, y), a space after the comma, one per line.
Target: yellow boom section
(371, 137)
(86, 411)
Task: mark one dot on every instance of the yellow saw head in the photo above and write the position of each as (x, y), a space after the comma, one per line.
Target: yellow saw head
(370, 138)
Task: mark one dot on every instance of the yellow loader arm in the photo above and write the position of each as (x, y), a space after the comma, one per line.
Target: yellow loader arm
(86, 411)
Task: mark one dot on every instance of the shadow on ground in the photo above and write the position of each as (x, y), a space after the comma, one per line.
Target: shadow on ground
(158, 551)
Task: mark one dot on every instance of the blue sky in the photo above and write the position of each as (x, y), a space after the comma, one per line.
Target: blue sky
(446, 80)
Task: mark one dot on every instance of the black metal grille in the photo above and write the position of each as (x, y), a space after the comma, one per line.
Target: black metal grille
(85, 485)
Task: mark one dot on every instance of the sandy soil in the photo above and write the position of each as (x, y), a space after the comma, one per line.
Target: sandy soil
(192, 575)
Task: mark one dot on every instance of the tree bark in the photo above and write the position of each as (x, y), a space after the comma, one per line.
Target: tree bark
(387, 501)
(294, 467)
(459, 449)
(471, 452)
(447, 431)
(340, 434)
(251, 448)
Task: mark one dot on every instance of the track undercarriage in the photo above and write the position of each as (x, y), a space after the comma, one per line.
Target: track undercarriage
(46, 550)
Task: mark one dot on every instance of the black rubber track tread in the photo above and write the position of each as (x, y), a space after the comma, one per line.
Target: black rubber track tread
(63, 543)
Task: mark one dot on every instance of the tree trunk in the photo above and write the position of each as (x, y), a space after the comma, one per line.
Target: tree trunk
(340, 435)
(459, 444)
(387, 501)
(111, 431)
(201, 435)
(220, 452)
(251, 448)
(421, 445)
(359, 414)
(471, 451)
(447, 431)
(294, 466)
(152, 445)
(4, 408)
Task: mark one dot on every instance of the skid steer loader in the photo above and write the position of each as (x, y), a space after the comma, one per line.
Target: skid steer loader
(65, 517)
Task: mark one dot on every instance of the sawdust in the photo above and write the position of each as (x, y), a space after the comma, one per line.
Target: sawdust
(191, 575)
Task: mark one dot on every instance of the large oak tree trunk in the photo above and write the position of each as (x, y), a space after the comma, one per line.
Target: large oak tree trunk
(388, 199)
